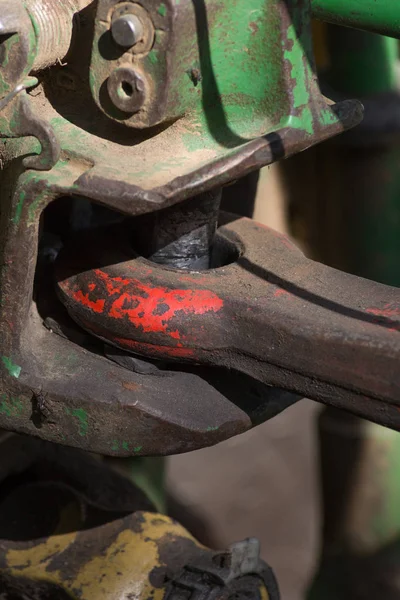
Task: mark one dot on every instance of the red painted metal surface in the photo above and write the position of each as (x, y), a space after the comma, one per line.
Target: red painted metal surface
(272, 314)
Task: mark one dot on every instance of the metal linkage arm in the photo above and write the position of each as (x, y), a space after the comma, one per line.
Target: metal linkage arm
(271, 313)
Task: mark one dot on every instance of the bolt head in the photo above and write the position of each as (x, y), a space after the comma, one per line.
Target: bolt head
(126, 30)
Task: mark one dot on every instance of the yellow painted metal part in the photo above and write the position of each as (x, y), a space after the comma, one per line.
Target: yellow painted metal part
(121, 559)
(58, 543)
(123, 567)
(264, 592)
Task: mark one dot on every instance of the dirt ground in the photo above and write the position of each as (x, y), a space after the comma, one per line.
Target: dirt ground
(263, 483)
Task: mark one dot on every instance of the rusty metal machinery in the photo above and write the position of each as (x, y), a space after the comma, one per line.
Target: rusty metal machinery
(73, 528)
(200, 125)
(142, 115)
(135, 317)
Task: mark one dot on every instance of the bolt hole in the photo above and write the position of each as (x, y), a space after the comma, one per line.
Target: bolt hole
(127, 88)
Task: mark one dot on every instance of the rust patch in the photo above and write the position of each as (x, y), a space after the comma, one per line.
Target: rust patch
(130, 385)
(254, 27)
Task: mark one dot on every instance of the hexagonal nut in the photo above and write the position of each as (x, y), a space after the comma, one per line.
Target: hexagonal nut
(127, 89)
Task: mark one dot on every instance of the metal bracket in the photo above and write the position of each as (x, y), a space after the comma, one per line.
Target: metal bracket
(20, 120)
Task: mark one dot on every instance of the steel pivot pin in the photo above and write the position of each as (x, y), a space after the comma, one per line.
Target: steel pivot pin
(127, 30)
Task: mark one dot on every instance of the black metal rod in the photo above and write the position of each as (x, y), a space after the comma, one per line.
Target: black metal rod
(183, 235)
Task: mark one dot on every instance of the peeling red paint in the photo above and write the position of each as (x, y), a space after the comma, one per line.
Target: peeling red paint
(143, 348)
(113, 284)
(389, 311)
(150, 308)
(95, 305)
(142, 310)
(281, 292)
(151, 349)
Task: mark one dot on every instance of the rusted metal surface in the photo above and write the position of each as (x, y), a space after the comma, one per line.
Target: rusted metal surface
(191, 68)
(35, 34)
(70, 527)
(23, 121)
(110, 408)
(219, 89)
(93, 402)
(271, 313)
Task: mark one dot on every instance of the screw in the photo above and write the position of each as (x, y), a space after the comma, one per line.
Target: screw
(127, 30)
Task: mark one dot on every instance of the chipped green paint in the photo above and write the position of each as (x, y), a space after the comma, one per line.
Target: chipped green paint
(328, 117)
(213, 428)
(162, 9)
(68, 359)
(10, 406)
(13, 369)
(237, 99)
(35, 206)
(10, 46)
(153, 56)
(18, 209)
(81, 415)
(293, 53)
(116, 445)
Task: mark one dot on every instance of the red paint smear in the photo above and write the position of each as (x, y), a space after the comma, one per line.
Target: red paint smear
(281, 292)
(96, 306)
(389, 311)
(142, 347)
(152, 308)
(146, 349)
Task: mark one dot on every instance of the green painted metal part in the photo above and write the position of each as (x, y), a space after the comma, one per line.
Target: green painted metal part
(379, 16)
(226, 66)
(357, 53)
